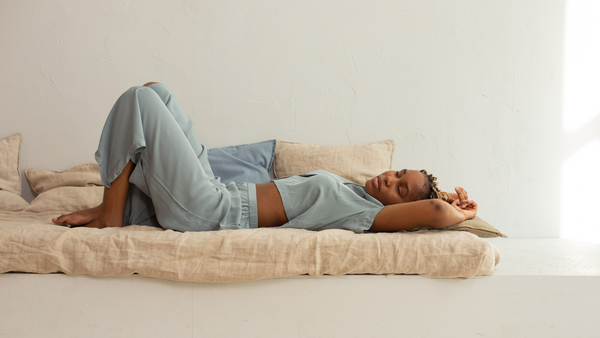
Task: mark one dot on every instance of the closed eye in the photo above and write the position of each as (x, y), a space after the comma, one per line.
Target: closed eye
(399, 191)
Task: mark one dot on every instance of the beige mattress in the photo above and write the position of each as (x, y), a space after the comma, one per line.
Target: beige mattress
(29, 242)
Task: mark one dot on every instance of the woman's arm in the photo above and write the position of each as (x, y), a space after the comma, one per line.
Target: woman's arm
(431, 213)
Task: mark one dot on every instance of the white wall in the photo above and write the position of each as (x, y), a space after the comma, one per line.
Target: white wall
(470, 90)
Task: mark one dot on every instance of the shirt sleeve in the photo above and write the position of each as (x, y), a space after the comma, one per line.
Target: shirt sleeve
(361, 222)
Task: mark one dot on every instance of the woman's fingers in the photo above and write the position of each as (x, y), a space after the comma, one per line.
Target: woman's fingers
(470, 204)
(462, 195)
(473, 208)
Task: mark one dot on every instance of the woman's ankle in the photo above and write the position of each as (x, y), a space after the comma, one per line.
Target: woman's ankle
(108, 221)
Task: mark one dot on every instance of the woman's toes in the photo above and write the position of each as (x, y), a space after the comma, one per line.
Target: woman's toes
(67, 219)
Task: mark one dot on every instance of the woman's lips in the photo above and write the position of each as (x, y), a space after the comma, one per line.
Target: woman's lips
(376, 182)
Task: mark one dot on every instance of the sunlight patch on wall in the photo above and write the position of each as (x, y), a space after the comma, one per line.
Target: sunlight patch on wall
(581, 93)
(580, 187)
(580, 198)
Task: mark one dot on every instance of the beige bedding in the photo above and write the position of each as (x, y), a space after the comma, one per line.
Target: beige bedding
(29, 242)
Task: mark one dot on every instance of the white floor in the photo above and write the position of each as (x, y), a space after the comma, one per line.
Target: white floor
(546, 257)
(541, 288)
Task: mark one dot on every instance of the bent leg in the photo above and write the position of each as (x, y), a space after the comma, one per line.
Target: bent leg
(139, 208)
(141, 129)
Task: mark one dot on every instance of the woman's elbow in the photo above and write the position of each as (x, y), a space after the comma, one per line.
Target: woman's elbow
(440, 214)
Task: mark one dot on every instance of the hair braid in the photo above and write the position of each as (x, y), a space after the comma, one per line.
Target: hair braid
(431, 190)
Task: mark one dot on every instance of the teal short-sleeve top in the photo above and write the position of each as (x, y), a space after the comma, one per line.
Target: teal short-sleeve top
(321, 200)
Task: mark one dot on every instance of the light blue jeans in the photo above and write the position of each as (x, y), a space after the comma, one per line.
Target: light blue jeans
(172, 184)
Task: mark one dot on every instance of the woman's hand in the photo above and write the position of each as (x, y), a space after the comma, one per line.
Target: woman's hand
(467, 208)
(460, 196)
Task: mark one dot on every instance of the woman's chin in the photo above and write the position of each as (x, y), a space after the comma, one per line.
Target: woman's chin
(370, 188)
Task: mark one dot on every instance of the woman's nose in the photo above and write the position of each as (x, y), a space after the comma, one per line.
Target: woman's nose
(390, 180)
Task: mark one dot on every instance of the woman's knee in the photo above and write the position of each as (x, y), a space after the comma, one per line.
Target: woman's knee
(134, 93)
(155, 101)
(140, 100)
(162, 90)
(159, 88)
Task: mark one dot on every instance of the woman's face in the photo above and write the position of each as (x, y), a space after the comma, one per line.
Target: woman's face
(393, 187)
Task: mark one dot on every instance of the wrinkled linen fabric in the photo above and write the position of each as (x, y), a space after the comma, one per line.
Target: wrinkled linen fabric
(29, 242)
(83, 175)
(10, 152)
(12, 202)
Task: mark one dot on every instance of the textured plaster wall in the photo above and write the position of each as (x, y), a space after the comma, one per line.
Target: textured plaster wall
(470, 90)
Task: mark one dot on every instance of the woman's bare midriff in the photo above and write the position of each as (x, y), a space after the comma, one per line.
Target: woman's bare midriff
(270, 207)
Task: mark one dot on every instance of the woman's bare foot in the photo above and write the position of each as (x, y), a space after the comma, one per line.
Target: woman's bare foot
(110, 212)
(82, 217)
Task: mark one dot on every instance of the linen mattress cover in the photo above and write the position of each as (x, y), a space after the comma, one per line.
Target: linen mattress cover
(29, 242)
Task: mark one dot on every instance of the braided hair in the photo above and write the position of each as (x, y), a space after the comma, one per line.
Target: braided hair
(430, 188)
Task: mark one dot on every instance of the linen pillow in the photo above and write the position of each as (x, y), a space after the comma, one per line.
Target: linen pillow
(67, 199)
(475, 225)
(10, 174)
(83, 175)
(243, 163)
(73, 189)
(356, 163)
(11, 202)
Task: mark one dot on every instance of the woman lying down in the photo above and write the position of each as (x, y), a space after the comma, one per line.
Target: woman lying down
(156, 172)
